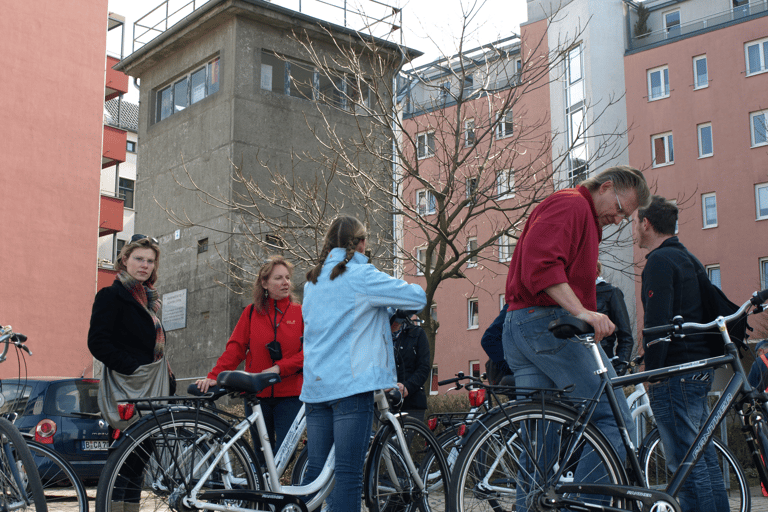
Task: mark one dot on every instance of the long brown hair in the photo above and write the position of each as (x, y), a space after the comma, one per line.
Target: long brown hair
(345, 232)
(143, 243)
(260, 298)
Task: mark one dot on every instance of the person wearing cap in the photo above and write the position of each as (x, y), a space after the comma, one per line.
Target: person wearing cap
(412, 362)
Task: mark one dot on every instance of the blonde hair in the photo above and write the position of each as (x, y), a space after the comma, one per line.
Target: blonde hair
(143, 243)
(624, 178)
(260, 298)
(344, 232)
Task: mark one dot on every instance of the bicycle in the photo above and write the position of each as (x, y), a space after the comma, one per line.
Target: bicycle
(544, 453)
(20, 484)
(183, 455)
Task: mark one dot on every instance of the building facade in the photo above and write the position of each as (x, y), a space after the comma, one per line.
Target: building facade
(696, 103)
(51, 212)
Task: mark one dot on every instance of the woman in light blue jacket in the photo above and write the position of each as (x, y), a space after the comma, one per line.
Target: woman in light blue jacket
(347, 354)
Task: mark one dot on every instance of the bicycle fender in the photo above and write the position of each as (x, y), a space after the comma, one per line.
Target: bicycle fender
(367, 470)
(146, 418)
(277, 500)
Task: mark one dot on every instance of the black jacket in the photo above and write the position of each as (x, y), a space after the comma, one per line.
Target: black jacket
(412, 359)
(122, 334)
(670, 288)
(610, 302)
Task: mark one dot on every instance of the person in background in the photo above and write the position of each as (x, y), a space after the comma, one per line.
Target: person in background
(412, 362)
(347, 354)
(670, 287)
(610, 302)
(758, 374)
(268, 338)
(497, 367)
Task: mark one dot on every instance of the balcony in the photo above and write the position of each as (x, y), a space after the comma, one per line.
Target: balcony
(113, 149)
(105, 277)
(117, 82)
(110, 215)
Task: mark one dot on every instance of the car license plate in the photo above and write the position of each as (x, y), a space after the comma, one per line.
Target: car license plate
(95, 445)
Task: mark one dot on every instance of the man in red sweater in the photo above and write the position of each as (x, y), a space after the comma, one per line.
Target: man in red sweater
(552, 274)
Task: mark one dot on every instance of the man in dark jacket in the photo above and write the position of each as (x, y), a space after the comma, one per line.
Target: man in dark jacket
(610, 302)
(412, 361)
(670, 287)
(497, 367)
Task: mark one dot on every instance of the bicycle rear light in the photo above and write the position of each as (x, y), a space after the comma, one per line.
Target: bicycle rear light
(462, 430)
(126, 411)
(432, 423)
(477, 397)
(44, 431)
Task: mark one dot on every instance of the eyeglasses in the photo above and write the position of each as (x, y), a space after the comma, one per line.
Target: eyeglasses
(137, 237)
(620, 210)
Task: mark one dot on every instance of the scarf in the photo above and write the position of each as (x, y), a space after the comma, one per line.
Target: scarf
(146, 295)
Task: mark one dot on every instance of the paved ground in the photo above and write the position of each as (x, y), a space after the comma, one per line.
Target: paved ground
(759, 502)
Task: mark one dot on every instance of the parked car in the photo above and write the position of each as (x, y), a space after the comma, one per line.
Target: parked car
(62, 413)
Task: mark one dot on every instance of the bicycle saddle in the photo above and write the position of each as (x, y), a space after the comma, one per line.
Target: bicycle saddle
(568, 327)
(239, 380)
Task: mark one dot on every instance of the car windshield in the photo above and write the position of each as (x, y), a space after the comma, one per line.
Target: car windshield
(72, 398)
(15, 397)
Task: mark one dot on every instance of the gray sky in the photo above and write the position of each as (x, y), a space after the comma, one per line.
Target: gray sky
(431, 26)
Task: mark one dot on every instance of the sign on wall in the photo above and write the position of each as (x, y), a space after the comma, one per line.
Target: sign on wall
(175, 310)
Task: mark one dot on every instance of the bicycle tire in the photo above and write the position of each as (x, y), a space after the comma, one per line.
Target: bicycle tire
(391, 486)
(300, 467)
(62, 487)
(760, 459)
(150, 466)
(18, 472)
(449, 443)
(498, 460)
(653, 463)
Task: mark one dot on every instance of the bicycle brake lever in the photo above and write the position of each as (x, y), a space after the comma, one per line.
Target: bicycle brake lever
(24, 348)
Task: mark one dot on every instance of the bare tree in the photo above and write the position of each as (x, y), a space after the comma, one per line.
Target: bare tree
(445, 164)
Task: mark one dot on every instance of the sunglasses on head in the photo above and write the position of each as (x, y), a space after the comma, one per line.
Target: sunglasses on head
(137, 237)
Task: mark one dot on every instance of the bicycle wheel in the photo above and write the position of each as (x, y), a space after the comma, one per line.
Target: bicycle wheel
(300, 467)
(20, 485)
(449, 443)
(657, 475)
(509, 463)
(64, 491)
(391, 487)
(160, 461)
(760, 459)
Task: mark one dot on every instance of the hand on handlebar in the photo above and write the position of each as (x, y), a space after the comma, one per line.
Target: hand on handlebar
(602, 324)
(204, 384)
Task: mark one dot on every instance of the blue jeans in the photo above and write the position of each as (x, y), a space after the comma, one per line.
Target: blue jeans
(539, 360)
(279, 413)
(680, 407)
(347, 424)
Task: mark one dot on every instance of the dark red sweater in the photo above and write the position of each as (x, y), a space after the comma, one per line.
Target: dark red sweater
(249, 343)
(559, 244)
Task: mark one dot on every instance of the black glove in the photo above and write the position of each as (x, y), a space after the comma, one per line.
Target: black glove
(620, 367)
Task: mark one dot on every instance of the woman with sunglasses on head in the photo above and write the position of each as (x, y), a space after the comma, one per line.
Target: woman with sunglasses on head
(127, 337)
(268, 338)
(348, 354)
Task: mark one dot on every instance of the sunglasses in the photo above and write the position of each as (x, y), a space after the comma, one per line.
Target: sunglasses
(137, 237)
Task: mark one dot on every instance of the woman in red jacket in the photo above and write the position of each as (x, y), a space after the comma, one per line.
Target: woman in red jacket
(268, 338)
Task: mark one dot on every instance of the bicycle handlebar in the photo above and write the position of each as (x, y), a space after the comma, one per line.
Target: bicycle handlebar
(8, 337)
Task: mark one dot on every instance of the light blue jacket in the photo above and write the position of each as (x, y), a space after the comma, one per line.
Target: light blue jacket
(347, 338)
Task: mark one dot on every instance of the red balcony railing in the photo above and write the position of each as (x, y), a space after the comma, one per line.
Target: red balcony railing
(105, 278)
(117, 81)
(110, 215)
(113, 150)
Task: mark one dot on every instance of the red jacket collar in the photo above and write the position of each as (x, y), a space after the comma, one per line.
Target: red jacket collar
(584, 191)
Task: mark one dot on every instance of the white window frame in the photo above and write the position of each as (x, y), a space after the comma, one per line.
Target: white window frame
(421, 260)
(501, 124)
(763, 273)
(479, 368)
(699, 129)
(517, 65)
(473, 188)
(469, 133)
(664, 77)
(669, 149)
(760, 187)
(677, 25)
(696, 84)
(752, 118)
(210, 87)
(704, 199)
(429, 205)
(506, 248)
(505, 184)
(710, 270)
(762, 48)
(470, 302)
(425, 145)
(472, 261)
(433, 387)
